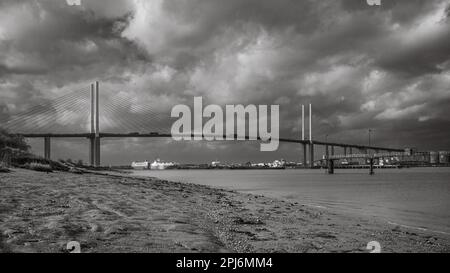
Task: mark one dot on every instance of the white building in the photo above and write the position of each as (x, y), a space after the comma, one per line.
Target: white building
(140, 165)
(160, 165)
(216, 163)
(278, 163)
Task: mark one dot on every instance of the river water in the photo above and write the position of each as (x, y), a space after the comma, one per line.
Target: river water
(417, 197)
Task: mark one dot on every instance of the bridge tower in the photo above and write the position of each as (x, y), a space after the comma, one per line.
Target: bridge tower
(310, 143)
(94, 148)
(304, 146)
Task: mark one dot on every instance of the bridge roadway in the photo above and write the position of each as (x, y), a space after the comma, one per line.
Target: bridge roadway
(305, 143)
(158, 135)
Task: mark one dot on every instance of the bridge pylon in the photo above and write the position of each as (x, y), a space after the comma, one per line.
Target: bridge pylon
(307, 145)
(94, 139)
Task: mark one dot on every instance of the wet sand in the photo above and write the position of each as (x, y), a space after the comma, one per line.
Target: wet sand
(42, 212)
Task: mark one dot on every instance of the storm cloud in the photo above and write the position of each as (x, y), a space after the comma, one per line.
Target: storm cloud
(386, 68)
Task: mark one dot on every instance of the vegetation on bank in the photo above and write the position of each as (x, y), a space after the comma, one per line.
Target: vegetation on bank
(15, 152)
(8, 141)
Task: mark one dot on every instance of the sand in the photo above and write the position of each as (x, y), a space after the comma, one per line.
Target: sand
(42, 212)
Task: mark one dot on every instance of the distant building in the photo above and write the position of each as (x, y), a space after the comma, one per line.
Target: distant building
(278, 164)
(410, 151)
(259, 165)
(444, 157)
(156, 165)
(434, 157)
(140, 165)
(216, 164)
(160, 165)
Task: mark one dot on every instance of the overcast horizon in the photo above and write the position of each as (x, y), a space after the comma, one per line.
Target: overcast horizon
(362, 67)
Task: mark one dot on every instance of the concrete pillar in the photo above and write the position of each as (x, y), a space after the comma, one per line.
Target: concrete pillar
(345, 150)
(351, 150)
(332, 150)
(97, 152)
(92, 109)
(97, 115)
(330, 166)
(303, 122)
(310, 123)
(47, 148)
(327, 154)
(311, 155)
(371, 172)
(91, 139)
(304, 159)
(92, 151)
(97, 126)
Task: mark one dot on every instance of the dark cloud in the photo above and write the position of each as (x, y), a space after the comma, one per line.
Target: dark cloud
(385, 68)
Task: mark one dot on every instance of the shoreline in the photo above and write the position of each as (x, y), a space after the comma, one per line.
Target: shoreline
(116, 212)
(409, 217)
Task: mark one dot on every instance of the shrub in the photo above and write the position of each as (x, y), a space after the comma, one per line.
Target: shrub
(12, 141)
(11, 146)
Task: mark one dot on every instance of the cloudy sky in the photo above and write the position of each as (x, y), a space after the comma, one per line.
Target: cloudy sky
(386, 68)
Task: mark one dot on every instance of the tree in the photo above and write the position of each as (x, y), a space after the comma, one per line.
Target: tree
(12, 141)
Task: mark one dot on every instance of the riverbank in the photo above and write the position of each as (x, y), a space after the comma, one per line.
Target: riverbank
(41, 212)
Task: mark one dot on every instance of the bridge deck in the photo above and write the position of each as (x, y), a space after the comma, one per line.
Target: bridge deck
(375, 155)
(160, 135)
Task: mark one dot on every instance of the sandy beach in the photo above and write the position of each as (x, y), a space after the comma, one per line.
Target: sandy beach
(42, 212)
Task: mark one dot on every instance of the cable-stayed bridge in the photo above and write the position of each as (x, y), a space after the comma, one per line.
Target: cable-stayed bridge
(79, 114)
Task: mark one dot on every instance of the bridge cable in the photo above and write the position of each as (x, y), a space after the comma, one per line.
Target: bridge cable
(42, 117)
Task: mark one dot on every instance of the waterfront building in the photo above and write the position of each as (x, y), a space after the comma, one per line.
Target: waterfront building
(160, 165)
(140, 165)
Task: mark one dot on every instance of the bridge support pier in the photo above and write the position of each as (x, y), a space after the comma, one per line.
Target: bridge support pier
(92, 151)
(94, 140)
(304, 159)
(97, 151)
(47, 148)
(330, 164)
(311, 155)
(371, 172)
(345, 150)
(327, 154)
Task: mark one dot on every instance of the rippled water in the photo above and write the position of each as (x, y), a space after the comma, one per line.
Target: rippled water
(417, 197)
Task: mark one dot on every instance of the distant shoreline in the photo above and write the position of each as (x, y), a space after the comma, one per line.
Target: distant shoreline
(41, 212)
(280, 168)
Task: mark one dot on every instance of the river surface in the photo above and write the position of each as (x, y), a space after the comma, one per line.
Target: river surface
(417, 197)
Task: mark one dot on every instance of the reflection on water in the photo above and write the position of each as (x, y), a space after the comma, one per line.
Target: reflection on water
(418, 197)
